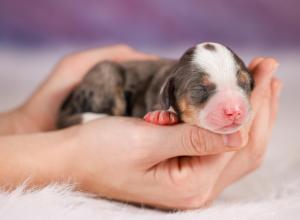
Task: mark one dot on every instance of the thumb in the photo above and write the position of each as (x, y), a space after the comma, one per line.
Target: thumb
(187, 140)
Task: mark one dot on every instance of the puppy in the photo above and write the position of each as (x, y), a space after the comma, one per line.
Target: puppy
(209, 87)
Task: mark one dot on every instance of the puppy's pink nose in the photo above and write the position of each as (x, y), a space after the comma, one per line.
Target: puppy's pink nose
(233, 113)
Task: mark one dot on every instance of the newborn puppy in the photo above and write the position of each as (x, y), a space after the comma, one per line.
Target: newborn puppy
(209, 87)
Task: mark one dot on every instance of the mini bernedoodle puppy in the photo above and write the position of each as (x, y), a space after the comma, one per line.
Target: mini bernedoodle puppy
(209, 86)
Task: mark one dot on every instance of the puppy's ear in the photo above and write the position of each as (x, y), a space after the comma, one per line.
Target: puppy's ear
(167, 96)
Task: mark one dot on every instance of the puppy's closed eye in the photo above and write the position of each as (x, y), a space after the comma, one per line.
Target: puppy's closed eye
(199, 94)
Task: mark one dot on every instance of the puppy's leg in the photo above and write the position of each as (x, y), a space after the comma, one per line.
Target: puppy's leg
(161, 117)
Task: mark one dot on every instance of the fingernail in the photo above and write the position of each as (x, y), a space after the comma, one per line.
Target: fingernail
(232, 140)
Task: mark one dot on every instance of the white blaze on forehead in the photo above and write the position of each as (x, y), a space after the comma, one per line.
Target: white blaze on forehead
(218, 63)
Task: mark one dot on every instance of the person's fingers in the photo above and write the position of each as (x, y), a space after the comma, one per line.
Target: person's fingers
(275, 90)
(77, 64)
(71, 69)
(255, 62)
(187, 140)
(134, 54)
(262, 74)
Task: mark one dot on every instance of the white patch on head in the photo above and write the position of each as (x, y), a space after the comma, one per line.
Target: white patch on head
(87, 117)
(218, 63)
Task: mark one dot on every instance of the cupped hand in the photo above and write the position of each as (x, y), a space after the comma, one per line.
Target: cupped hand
(39, 112)
(174, 167)
(178, 167)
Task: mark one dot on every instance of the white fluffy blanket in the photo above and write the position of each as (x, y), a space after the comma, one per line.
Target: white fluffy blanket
(272, 192)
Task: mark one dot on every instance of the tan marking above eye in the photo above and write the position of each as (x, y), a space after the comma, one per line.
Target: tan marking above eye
(243, 77)
(205, 81)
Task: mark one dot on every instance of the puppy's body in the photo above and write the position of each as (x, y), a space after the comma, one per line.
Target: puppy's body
(209, 87)
(121, 89)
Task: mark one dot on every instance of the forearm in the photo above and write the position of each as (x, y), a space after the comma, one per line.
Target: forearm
(39, 158)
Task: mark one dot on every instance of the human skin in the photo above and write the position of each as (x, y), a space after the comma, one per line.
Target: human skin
(172, 167)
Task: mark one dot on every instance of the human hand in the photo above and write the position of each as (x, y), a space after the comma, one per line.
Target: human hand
(39, 112)
(186, 170)
(174, 167)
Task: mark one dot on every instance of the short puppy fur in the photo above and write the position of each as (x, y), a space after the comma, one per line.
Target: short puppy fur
(209, 86)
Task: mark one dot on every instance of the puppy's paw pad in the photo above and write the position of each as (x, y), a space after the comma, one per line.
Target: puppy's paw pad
(161, 117)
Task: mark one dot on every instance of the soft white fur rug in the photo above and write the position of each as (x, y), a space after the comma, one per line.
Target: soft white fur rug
(58, 202)
(272, 192)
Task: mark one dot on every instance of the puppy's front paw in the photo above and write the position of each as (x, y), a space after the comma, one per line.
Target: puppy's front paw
(161, 117)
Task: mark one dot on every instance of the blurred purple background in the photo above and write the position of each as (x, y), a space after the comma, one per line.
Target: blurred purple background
(150, 23)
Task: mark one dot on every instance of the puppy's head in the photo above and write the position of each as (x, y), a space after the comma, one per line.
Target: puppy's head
(210, 87)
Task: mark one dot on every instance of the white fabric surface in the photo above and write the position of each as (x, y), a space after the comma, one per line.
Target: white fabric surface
(272, 192)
